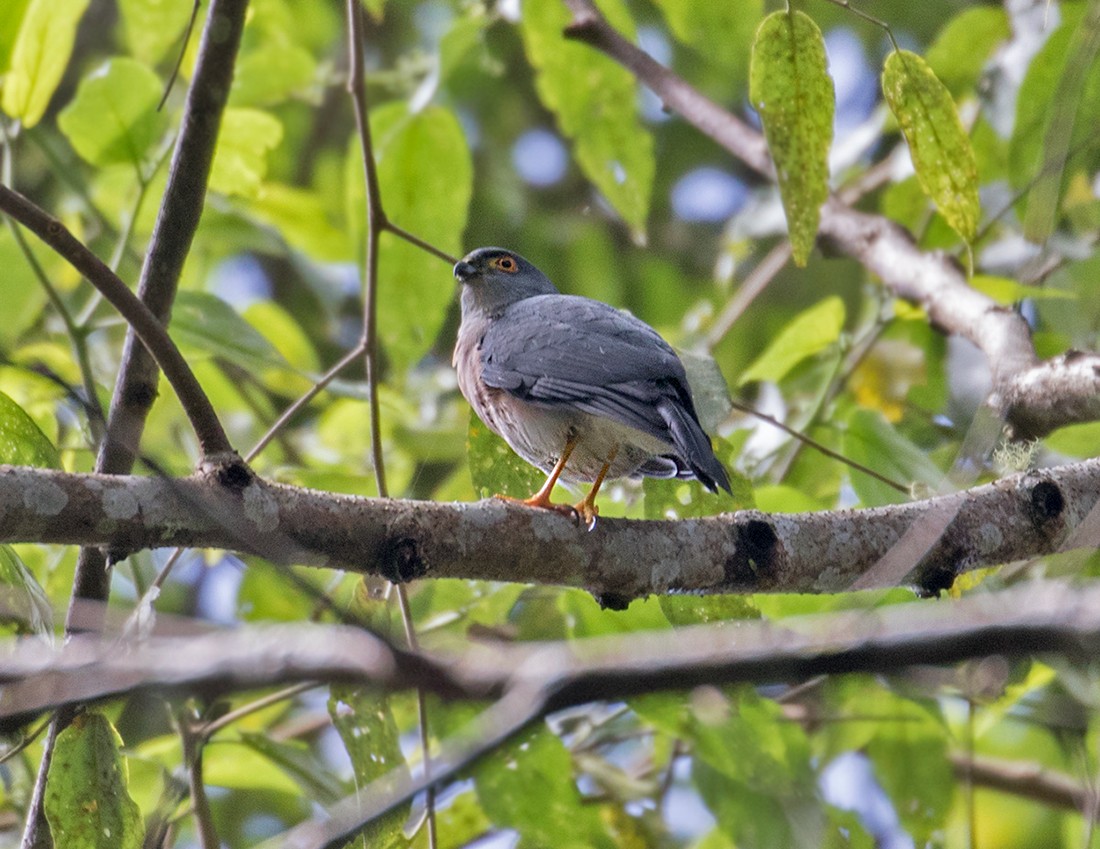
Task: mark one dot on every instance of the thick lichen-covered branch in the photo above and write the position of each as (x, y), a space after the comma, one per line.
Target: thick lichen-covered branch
(925, 543)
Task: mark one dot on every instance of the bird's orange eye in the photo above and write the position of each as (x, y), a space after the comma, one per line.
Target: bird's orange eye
(506, 263)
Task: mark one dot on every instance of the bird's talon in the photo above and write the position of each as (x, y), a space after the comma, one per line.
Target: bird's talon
(588, 513)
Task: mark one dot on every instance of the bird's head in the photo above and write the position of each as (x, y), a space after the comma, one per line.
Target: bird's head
(493, 278)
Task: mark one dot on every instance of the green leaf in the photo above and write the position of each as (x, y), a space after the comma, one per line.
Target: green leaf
(300, 763)
(1006, 291)
(240, 161)
(702, 24)
(271, 74)
(23, 602)
(790, 86)
(938, 144)
(808, 333)
(1078, 440)
(963, 46)
(152, 27)
(24, 295)
(364, 720)
(749, 762)
(228, 763)
(114, 116)
(595, 101)
(678, 499)
(87, 803)
(39, 57)
(21, 441)
(426, 177)
(204, 325)
(1056, 114)
(11, 17)
(301, 218)
(375, 8)
(873, 442)
(495, 468)
(529, 786)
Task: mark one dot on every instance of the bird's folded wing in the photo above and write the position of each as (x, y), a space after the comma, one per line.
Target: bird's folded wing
(561, 350)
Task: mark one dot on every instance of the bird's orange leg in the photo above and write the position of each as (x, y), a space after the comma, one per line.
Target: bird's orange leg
(542, 497)
(587, 508)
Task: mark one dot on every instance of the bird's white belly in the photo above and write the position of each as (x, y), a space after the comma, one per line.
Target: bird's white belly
(597, 441)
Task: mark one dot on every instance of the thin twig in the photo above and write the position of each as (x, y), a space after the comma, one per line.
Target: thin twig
(192, 739)
(757, 281)
(817, 446)
(211, 728)
(376, 222)
(180, 54)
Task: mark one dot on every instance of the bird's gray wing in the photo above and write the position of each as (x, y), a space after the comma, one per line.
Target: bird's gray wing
(561, 350)
(567, 351)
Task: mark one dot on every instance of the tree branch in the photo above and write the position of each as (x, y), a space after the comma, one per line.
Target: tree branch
(1027, 780)
(177, 220)
(1023, 386)
(923, 543)
(530, 680)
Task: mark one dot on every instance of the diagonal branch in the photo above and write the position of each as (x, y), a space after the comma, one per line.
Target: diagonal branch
(145, 325)
(1035, 397)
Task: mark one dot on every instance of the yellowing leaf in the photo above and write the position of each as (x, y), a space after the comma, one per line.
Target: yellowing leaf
(87, 803)
(938, 144)
(810, 332)
(39, 57)
(790, 87)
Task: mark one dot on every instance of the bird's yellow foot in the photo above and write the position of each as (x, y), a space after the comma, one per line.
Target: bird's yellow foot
(544, 503)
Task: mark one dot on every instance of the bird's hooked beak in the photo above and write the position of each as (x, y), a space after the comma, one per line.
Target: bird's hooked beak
(465, 271)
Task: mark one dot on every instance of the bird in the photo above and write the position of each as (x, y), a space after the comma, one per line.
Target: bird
(576, 387)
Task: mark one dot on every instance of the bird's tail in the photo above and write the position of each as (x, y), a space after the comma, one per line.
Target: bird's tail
(694, 445)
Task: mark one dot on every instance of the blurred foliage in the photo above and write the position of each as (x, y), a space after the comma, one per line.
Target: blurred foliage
(490, 128)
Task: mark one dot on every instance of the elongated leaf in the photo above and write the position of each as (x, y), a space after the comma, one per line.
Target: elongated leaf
(595, 102)
(87, 803)
(938, 144)
(426, 175)
(808, 333)
(39, 57)
(790, 86)
(114, 116)
(21, 441)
